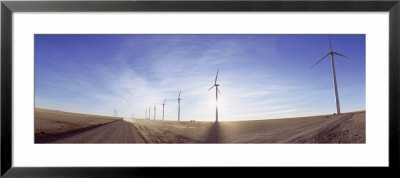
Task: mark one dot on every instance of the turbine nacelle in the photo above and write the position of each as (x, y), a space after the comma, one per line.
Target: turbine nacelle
(179, 96)
(332, 53)
(215, 83)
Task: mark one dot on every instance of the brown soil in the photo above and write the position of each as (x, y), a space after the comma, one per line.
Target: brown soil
(50, 124)
(344, 128)
(63, 127)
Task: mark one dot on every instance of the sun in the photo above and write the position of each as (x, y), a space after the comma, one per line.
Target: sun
(212, 103)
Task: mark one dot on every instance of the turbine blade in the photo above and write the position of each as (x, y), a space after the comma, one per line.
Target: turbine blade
(211, 87)
(218, 91)
(330, 43)
(343, 56)
(179, 94)
(216, 76)
(319, 61)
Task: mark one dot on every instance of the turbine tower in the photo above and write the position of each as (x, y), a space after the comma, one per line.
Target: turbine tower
(216, 96)
(145, 116)
(154, 112)
(332, 53)
(179, 105)
(163, 109)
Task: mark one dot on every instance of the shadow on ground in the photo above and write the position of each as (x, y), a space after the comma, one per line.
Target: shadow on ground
(214, 134)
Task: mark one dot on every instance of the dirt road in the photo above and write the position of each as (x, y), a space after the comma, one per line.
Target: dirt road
(115, 132)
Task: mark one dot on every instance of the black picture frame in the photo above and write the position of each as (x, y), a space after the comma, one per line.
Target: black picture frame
(8, 7)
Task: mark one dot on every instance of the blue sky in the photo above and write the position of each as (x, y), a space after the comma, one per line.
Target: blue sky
(260, 76)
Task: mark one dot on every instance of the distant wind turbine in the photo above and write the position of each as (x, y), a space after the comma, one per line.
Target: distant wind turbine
(154, 112)
(163, 109)
(179, 105)
(216, 95)
(145, 116)
(115, 113)
(332, 53)
(149, 112)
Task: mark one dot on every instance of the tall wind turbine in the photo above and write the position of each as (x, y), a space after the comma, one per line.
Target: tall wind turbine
(163, 109)
(216, 95)
(179, 105)
(332, 53)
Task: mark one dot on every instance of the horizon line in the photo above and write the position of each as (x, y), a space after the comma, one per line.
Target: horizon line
(355, 111)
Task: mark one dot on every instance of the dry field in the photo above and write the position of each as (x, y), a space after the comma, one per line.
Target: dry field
(345, 128)
(63, 127)
(52, 124)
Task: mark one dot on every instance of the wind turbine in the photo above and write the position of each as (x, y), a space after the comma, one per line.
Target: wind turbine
(332, 53)
(179, 105)
(115, 113)
(145, 117)
(163, 109)
(154, 112)
(149, 112)
(216, 95)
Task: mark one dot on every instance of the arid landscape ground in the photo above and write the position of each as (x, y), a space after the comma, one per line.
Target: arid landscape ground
(51, 125)
(63, 127)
